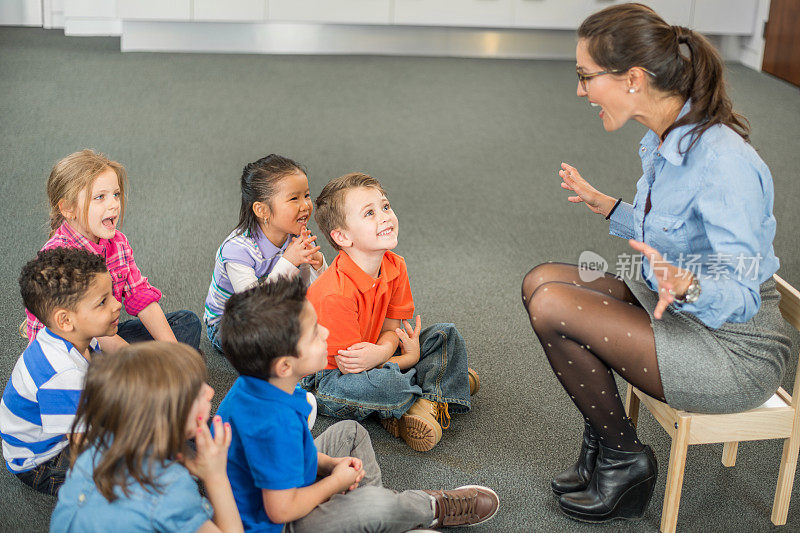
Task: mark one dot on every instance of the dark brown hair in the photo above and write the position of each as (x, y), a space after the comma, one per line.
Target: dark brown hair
(624, 36)
(133, 411)
(58, 277)
(74, 175)
(329, 212)
(259, 184)
(262, 324)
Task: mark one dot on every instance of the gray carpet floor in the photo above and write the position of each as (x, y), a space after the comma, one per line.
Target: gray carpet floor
(468, 151)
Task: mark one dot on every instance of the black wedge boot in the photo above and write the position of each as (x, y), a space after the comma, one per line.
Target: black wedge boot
(621, 487)
(576, 477)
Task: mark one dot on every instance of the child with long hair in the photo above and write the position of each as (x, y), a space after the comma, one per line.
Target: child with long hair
(131, 465)
(86, 192)
(271, 239)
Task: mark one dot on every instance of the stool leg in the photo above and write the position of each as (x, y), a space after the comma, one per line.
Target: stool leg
(780, 506)
(729, 450)
(632, 405)
(677, 464)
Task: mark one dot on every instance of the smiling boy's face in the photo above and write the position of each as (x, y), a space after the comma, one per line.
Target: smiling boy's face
(371, 223)
(97, 312)
(312, 347)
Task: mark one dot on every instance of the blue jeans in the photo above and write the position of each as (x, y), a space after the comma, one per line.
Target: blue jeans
(48, 476)
(212, 331)
(440, 375)
(185, 326)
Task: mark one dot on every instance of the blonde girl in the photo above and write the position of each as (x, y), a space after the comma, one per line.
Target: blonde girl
(130, 462)
(86, 192)
(271, 238)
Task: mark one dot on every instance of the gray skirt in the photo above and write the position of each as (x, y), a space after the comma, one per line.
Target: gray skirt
(731, 369)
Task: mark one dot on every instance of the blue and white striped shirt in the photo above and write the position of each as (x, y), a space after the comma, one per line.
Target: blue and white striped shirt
(40, 401)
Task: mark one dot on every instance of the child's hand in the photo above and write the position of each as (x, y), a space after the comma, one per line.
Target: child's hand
(302, 249)
(316, 258)
(349, 472)
(360, 357)
(409, 338)
(355, 462)
(212, 452)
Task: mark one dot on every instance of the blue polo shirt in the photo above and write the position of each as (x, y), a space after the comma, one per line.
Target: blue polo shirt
(272, 447)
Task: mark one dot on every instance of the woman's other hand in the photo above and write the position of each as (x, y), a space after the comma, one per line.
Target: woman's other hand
(672, 281)
(595, 200)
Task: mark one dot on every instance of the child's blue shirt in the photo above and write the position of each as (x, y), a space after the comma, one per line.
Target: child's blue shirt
(272, 447)
(178, 507)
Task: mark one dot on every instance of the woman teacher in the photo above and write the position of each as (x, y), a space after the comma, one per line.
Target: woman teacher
(702, 330)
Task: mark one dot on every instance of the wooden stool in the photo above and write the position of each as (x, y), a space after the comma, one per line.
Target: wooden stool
(778, 418)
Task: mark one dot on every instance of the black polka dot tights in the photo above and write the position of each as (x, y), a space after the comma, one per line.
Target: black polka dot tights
(587, 330)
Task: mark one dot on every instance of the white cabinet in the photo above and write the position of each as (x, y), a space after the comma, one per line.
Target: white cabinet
(735, 17)
(20, 12)
(331, 11)
(94, 9)
(675, 12)
(568, 14)
(553, 14)
(485, 13)
(155, 9)
(230, 10)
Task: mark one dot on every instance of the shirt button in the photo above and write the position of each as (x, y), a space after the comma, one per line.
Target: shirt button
(81, 498)
(643, 149)
(665, 229)
(120, 275)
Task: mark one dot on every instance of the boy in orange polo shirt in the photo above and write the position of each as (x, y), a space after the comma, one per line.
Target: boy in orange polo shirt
(377, 362)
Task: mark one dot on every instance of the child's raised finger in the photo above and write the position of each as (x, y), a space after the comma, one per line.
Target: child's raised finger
(418, 326)
(219, 431)
(228, 434)
(402, 334)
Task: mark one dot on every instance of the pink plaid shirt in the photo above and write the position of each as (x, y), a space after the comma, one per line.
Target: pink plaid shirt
(128, 284)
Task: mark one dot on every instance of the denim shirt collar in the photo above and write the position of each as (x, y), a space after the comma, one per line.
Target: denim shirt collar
(675, 143)
(263, 389)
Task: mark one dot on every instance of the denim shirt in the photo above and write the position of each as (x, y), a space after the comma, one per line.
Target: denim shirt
(711, 213)
(177, 507)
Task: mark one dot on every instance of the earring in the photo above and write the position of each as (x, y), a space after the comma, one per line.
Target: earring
(631, 90)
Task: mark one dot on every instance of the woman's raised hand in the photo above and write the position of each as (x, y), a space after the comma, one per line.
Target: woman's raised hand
(594, 199)
(672, 281)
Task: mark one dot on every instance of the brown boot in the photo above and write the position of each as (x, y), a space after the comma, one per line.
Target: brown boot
(464, 506)
(418, 426)
(474, 382)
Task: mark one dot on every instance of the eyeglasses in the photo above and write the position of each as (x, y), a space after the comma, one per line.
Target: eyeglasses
(583, 78)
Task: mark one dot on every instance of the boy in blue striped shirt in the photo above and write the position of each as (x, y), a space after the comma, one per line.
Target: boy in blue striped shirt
(69, 290)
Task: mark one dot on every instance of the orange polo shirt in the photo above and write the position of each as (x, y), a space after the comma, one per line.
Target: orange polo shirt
(353, 305)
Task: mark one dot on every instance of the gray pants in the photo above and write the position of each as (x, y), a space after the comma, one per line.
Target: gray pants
(370, 508)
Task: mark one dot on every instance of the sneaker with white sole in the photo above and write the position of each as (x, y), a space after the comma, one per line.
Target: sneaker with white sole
(464, 506)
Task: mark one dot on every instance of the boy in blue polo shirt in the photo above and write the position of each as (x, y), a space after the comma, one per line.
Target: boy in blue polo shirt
(282, 478)
(69, 290)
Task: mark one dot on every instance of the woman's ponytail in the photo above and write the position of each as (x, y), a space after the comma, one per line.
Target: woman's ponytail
(705, 86)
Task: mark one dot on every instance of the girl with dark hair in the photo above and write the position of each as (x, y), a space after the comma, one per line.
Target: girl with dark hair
(701, 329)
(271, 239)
